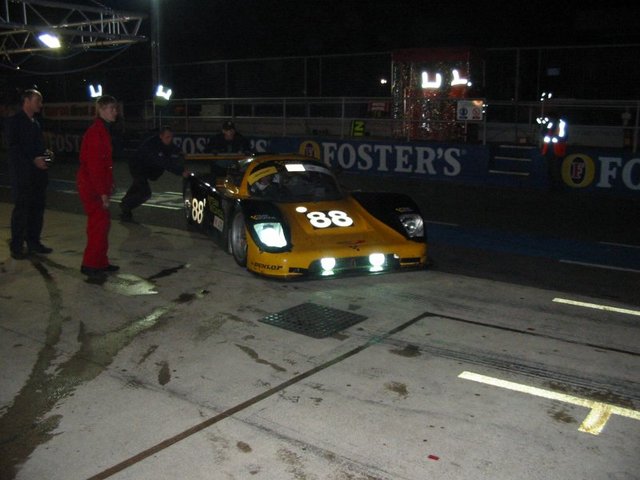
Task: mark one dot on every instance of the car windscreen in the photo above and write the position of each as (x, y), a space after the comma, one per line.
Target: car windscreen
(293, 182)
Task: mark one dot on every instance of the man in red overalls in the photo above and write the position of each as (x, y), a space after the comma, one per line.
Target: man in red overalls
(95, 186)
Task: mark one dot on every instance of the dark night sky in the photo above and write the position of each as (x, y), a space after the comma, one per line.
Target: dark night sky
(223, 29)
(210, 30)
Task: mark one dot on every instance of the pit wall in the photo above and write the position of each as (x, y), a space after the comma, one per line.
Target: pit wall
(583, 169)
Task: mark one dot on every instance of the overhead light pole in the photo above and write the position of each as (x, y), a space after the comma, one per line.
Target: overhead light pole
(155, 43)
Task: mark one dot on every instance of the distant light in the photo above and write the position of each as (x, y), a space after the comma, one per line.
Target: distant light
(301, 209)
(51, 41)
(383, 81)
(562, 128)
(426, 83)
(456, 79)
(161, 92)
(95, 92)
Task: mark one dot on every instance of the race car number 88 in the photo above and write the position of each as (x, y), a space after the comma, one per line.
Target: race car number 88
(332, 218)
(197, 210)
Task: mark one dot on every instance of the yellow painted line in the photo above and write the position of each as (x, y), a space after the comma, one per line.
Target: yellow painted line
(597, 306)
(597, 418)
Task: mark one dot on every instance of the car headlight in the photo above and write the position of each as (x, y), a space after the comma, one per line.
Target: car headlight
(271, 234)
(413, 224)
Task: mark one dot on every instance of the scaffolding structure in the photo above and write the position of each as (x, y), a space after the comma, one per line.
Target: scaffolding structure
(426, 87)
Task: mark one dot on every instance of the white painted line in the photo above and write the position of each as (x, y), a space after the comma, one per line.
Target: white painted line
(504, 172)
(444, 223)
(147, 204)
(597, 306)
(597, 265)
(594, 422)
(166, 207)
(623, 245)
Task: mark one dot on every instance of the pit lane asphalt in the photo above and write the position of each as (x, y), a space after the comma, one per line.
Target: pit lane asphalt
(582, 243)
(165, 370)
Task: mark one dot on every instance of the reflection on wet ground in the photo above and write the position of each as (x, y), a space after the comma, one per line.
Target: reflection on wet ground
(28, 422)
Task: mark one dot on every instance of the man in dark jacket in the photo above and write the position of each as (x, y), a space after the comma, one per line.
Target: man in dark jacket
(29, 178)
(228, 141)
(155, 155)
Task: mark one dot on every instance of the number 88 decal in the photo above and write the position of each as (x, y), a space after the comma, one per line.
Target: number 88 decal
(332, 218)
(197, 210)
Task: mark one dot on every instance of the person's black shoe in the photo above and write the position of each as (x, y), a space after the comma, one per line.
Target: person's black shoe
(39, 248)
(18, 255)
(92, 272)
(126, 215)
(111, 268)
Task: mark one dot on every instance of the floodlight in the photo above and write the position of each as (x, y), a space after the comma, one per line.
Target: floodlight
(51, 41)
(161, 92)
(426, 83)
(95, 92)
(456, 80)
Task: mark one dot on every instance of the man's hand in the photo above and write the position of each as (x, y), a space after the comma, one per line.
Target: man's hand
(105, 201)
(40, 163)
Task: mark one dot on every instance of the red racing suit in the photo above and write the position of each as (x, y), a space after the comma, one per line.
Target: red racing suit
(95, 178)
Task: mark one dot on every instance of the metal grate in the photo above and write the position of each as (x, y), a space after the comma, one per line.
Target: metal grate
(313, 320)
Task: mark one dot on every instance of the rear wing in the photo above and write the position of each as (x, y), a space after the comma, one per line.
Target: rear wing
(219, 162)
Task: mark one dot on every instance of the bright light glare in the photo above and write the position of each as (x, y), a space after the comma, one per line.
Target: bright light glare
(562, 128)
(294, 167)
(413, 224)
(383, 81)
(271, 234)
(161, 92)
(456, 78)
(95, 92)
(49, 40)
(328, 263)
(301, 209)
(426, 83)
(377, 259)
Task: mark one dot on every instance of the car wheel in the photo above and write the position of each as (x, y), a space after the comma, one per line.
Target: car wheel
(238, 239)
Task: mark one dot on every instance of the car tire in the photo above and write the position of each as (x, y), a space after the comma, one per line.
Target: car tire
(238, 239)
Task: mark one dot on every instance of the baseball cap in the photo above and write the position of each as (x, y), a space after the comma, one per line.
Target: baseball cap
(228, 125)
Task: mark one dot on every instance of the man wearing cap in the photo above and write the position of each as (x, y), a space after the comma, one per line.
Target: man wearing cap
(226, 142)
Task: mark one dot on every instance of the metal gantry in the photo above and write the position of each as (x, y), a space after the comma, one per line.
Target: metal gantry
(78, 26)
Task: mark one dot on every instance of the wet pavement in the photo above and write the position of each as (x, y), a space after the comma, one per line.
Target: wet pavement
(166, 369)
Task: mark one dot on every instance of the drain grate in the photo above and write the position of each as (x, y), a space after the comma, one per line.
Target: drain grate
(313, 320)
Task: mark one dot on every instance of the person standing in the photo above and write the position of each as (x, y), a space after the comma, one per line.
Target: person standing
(95, 186)
(228, 141)
(155, 155)
(29, 177)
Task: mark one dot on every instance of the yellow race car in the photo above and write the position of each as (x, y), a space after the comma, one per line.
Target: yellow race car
(286, 216)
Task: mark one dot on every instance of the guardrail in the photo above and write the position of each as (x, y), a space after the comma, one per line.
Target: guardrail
(606, 124)
(609, 123)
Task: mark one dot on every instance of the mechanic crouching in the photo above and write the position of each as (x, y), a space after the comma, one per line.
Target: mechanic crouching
(155, 155)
